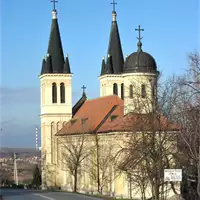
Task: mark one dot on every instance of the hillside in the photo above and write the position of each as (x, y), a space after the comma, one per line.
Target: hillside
(20, 152)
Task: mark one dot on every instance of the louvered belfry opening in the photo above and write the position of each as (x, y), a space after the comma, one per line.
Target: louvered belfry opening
(131, 91)
(115, 89)
(54, 93)
(143, 91)
(62, 93)
(122, 91)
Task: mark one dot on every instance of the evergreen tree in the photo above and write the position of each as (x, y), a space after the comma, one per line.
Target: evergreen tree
(36, 177)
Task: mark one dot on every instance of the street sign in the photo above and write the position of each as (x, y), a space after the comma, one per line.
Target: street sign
(173, 175)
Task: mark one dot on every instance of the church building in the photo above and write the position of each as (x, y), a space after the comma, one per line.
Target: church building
(122, 82)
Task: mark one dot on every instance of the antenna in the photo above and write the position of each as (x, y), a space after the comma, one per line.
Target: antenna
(36, 138)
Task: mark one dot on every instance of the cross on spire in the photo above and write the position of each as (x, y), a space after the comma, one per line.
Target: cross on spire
(113, 3)
(83, 88)
(54, 4)
(139, 30)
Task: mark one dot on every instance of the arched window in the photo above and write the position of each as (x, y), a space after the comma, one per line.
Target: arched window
(115, 89)
(53, 132)
(62, 93)
(131, 91)
(122, 91)
(54, 93)
(59, 126)
(143, 91)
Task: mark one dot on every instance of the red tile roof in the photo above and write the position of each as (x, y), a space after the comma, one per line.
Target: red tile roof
(92, 115)
(106, 114)
(138, 122)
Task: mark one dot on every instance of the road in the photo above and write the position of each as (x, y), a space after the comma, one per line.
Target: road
(17, 194)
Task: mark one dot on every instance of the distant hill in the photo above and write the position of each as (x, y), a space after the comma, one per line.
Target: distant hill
(8, 152)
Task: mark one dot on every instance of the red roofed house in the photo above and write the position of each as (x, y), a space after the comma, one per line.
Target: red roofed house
(107, 119)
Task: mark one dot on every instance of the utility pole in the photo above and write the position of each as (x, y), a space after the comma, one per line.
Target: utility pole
(15, 170)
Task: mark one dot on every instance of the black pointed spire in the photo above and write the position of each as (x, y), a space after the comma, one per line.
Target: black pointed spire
(46, 65)
(66, 69)
(109, 65)
(103, 66)
(43, 65)
(55, 46)
(114, 47)
(48, 68)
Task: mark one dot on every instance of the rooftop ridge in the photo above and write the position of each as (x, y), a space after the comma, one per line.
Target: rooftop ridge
(104, 97)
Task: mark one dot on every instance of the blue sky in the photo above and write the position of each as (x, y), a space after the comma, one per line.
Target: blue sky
(171, 32)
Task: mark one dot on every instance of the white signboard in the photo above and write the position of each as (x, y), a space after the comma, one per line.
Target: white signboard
(173, 175)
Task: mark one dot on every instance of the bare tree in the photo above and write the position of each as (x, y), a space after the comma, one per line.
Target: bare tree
(48, 171)
(74, 150)
(4, 178)
(152, 139)
(194, 80)
(137, 181)
(188, 109)
(101, 164)
(189, 118)
(190, 82)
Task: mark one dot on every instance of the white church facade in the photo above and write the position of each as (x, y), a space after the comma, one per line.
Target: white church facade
(127, 88)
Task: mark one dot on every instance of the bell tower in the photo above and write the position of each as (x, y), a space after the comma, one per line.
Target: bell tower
(140, 81)
(111, 80)
(55, 100)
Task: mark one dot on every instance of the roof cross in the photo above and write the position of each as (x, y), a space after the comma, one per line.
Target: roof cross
(83, 88)
(139, 30)
(54, 4)
(113, 3)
